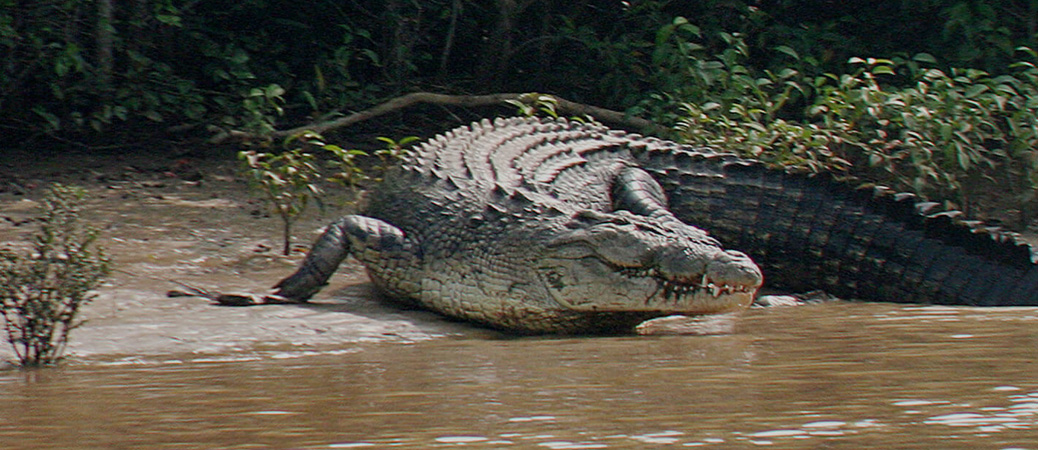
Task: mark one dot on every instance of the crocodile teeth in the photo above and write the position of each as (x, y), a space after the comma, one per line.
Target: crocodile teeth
(716, 290)
(676, 289)
(641, 273)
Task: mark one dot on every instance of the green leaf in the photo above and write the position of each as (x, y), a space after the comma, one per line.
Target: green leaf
(1027, 50)
(975, 90)
(788, 51)
(239, 57)
(925, 58)
(787, 73)
(51, 119)
(883, 70)
(168, 19)
(274, 91)
(310, 100)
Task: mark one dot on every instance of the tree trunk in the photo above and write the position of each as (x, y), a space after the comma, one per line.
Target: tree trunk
(287, 230)
(105, 38)
(448, 45)
(401, 37)
(498, 50)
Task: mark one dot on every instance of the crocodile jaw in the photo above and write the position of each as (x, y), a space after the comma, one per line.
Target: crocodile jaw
(577, 285)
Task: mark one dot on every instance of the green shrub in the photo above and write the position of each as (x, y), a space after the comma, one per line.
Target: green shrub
(951, 134)
(42, 291)
(287, 181)
(720, 100)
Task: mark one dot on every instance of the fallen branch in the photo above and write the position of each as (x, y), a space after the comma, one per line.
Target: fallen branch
(563, 107)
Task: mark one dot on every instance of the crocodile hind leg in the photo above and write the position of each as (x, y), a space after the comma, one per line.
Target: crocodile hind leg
(372, 241)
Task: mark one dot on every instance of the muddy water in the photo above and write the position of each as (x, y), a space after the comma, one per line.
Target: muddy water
(828, 376)
(352, 372)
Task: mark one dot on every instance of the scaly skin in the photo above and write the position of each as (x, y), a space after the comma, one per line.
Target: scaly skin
(551, 226)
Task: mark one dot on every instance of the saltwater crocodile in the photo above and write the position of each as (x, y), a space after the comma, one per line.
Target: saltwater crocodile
(559, 226)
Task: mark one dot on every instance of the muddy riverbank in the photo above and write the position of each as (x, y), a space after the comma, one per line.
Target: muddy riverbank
(192, 220)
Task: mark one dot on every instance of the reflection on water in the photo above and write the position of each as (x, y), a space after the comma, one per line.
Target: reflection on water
(837, 375)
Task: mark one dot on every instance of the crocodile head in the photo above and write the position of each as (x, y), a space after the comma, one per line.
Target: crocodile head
(624, 262)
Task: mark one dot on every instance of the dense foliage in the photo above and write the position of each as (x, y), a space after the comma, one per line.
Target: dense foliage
(948, 134)
(933, 96)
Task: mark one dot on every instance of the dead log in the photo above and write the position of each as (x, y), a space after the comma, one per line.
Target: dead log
(562, 106)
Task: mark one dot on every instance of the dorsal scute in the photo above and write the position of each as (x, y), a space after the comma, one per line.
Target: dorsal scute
(510, 150)
(950, 226)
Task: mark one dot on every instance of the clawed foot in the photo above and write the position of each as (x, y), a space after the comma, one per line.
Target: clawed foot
(232, 299)
(244, 299)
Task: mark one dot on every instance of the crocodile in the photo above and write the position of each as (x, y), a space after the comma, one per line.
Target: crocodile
(555, 226)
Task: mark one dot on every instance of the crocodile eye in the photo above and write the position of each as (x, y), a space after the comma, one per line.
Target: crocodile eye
(619, 221)
(589, 217)
(584, 218)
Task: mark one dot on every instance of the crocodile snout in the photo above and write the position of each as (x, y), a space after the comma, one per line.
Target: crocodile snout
(733, 268)
(707, 266)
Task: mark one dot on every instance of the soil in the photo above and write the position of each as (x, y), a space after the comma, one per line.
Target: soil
(191, 219)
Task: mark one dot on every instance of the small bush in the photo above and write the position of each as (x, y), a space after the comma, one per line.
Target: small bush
(287, 181)
(42, 290)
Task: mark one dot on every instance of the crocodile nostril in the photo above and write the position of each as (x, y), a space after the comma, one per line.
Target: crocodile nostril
(734, 268)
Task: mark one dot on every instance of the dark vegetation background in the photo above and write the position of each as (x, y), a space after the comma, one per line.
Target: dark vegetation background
(934, 97)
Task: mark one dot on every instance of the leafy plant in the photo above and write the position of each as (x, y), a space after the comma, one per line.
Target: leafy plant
(533, 104)
(345, 163)
(349, 170)
(42, 291)
(66, 70)
(334, 81)
(946, 134)
(719, 100)
(287, 182)
(393, 152)
(261, 107)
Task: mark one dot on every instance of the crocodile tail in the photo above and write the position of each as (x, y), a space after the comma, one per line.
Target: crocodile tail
(811, 231)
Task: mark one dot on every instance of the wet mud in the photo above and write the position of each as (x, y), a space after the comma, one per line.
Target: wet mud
(205, 230)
